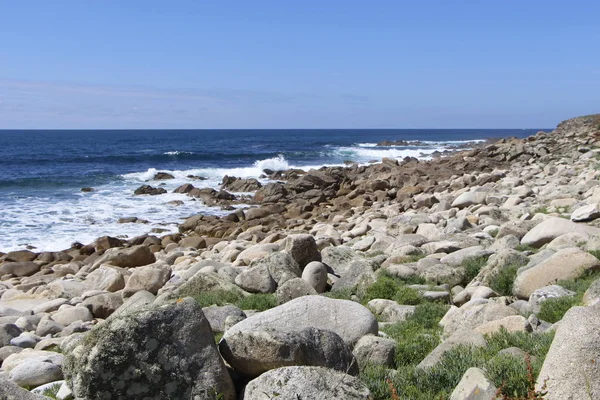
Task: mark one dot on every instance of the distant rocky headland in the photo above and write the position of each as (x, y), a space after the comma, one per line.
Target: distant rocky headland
(471, 275)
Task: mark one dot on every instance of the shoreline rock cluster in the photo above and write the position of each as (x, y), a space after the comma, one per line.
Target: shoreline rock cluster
(293, 287)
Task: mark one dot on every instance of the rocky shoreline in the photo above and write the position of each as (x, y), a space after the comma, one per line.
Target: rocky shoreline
(356, 282)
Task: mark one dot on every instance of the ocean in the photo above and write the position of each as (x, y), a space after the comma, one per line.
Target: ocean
(42, 172)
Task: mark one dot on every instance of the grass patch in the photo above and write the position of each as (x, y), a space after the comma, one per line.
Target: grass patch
(217, 298)
(595, 253)
(438, 382)
(218, 337)
(52, 391)
(393, 288)
(526, 247)
(340, 294)
(256, 301)
(553, 310)
(502, 282)
(472, 266)
(540, 210)
(418, 335)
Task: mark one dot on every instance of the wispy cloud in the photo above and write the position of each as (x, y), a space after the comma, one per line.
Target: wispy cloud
(37, 104)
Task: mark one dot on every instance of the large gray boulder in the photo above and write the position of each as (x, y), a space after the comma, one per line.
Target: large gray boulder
(348, 319)
(389, 310)
(11, 391)
(281, 266)
(134, 256)
(306, 383)
(315, 274)
(25, 268)
(7, 333)
(150, 278)
(456, 259)
(474, 385)
(104, 304)
(463, 337)
(106, 278)
(375, 350)
(35, 373)
(571, 368)
(159, 352)
(293, 289)
(473, 314)
(553, 227)
(586, 213)
(564, 264)
(359, 273)
(469, 198)
(217, 315)
(254, 352)
(302, 248)
(256, 279)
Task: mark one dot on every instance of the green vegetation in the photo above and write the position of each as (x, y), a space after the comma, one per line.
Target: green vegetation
(506, 371)
(472, 266)
(502, 282)
(218, 337)
(52, 391)
(257, 301)
(418, 335)
(526, 247)
(552, 310)
(540, 210)
(393, 288)
(217, 298)
(340, 294)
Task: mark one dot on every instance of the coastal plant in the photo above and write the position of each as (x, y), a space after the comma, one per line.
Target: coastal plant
(392, 288)
(418, 335)
(472, 266)
(553, 310)
(526, 247)
(258, 301)
(51, 391)
(502, 282)
(255, 301)
(340, 294)
(217, 298)
(512, 375)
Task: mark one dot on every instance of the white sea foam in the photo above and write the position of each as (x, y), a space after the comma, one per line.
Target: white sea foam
(366, 154)
(51, 224)
(177, 152)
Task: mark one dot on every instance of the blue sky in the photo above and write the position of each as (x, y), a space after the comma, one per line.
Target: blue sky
(297, 64)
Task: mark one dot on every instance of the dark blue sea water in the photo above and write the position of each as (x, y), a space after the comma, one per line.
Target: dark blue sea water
(42, 172)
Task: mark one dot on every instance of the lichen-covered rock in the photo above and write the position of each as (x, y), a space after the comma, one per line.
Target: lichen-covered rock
(375, 350)
(254, 352)
(306, 383)
(564, 264)
(571, 368)
(159, 352)
(11, 391)
(473, 314)
(348, 319)
(315, 273)
(474, 385)
(293, 289)
(553, 227)
(302, 248)
(127, 258)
